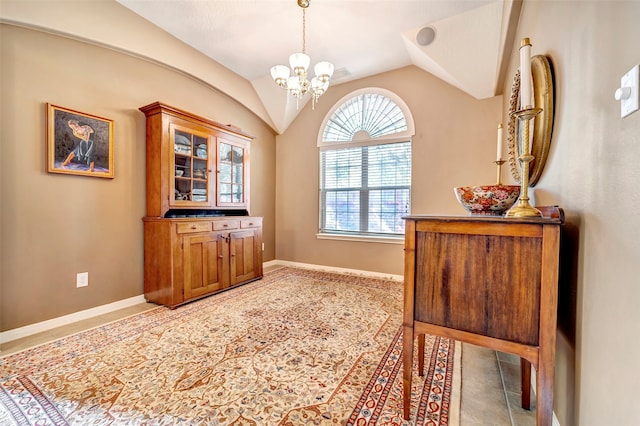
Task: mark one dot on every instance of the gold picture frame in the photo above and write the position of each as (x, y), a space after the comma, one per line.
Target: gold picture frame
(542, 124)
(79, 143)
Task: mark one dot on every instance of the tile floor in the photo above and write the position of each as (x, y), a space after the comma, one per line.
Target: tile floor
(491, 389)
(489, 378)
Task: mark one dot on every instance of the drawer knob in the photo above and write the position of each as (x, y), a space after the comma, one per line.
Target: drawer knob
(193, 227)
(250, 223)
(225, 225)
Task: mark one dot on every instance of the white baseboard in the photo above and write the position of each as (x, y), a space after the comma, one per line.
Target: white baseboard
(28, 330)
(324, 268)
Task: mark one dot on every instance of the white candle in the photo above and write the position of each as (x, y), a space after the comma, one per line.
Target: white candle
(499, 150)
(525, 74)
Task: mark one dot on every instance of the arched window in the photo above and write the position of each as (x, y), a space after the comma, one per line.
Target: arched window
(365, 165)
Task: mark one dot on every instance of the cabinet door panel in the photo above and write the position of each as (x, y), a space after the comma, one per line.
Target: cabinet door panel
(190, 177)
(204, 260)
(244, 247)
(232, 167)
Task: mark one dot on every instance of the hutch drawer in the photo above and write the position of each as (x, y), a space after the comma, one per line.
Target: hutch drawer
(189, 227)
(222, 225)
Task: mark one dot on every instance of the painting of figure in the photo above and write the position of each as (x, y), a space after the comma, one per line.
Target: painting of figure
(79, 143)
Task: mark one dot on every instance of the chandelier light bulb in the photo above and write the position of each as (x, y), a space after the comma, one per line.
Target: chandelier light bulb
(280, 74)
(323, 70)
(317, 86)
(299, 63)
(293, 85)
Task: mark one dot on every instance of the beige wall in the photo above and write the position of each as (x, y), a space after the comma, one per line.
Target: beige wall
(108, 23)
(454, 145)
(54, 226)
(592, 172)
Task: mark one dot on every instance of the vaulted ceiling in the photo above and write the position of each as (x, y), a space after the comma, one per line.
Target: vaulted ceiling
(460, 41)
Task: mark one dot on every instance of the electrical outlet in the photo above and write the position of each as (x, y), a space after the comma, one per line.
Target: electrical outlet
(262, 246)
(82, 279)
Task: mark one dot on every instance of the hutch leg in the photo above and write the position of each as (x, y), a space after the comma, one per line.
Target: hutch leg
(407, 361)
(421, 355)
(525, 383)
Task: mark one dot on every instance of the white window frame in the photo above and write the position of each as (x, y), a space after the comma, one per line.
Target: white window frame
(405, 136)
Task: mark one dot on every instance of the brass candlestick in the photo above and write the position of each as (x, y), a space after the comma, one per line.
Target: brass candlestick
(499, 164)
(523, 208)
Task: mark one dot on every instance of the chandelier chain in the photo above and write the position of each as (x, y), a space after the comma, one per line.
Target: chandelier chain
(304, 31)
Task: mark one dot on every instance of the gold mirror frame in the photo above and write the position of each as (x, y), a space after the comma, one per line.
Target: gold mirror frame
(542, 80)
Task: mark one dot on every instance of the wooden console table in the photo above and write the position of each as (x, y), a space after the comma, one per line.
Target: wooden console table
(489, 281)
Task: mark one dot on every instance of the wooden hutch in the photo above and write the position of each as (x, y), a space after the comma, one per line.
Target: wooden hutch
(198, 235)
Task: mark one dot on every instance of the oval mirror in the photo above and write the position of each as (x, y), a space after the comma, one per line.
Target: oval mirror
(542, 126)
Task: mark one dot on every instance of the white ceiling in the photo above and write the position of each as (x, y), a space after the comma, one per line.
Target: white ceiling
(360, 37)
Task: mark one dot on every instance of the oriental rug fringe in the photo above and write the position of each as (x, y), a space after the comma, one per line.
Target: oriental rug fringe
(298, 347)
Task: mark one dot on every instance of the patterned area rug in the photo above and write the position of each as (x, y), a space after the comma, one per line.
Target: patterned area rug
(298, 347)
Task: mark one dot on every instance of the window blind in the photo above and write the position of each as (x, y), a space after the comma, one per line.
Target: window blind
(365, 189)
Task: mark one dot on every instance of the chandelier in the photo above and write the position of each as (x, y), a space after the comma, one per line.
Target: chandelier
(298, 84)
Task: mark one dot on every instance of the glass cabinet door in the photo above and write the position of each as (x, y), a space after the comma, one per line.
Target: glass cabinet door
(190, 169)
(231, 174)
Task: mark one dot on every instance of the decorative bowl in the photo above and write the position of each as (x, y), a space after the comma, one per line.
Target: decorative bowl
(491, 200)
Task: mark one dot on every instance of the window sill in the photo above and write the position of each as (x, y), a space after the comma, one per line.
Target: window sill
(361, 238)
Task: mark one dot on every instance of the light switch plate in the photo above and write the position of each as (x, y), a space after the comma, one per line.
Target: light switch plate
(631, 80)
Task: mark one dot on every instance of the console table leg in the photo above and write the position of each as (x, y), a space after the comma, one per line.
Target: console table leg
(421, 355)
(525, 383)
(407, 361)
(544, 393)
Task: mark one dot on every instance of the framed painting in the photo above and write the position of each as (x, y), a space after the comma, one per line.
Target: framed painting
(79, 143)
